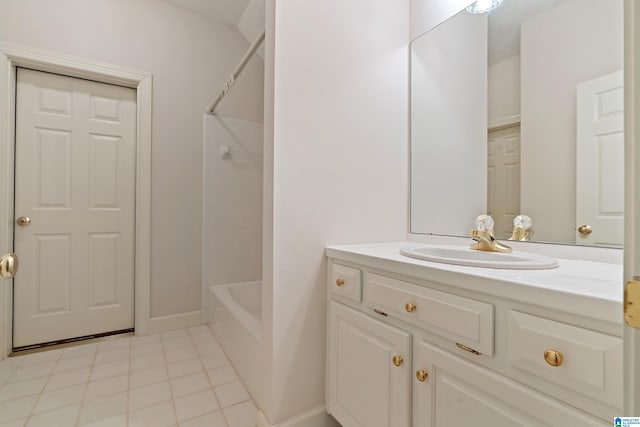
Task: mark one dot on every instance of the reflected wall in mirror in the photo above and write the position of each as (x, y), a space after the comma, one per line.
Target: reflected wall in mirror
(520, 111)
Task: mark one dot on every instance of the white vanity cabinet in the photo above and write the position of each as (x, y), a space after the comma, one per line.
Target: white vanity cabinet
(461, 393)
(369, 377)
(403, 350)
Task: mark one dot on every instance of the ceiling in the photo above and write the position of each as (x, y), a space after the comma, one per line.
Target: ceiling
(227, 11)
(504, 25)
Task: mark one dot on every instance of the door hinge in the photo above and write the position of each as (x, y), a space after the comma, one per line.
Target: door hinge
(632, 303)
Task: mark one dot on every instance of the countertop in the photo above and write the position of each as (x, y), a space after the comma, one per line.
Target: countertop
(586, 288)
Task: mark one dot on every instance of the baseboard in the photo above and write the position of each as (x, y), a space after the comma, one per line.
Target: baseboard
(316, 417)
(175, 321)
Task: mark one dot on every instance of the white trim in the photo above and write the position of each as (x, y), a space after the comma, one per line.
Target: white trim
(504, 122)
(175, 321)
(631, 363)
(13, 55)
(204, 294)
(316, 417)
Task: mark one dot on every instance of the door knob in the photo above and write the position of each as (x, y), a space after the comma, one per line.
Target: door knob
(8, 265)
(23, 221)
(585, 229)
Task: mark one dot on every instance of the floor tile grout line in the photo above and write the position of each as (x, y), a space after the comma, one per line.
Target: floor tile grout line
(224, 416)
(166, 367)
(199, 341)
(238, 378)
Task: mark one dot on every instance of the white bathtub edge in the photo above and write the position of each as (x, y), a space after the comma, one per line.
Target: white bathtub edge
(250, 323)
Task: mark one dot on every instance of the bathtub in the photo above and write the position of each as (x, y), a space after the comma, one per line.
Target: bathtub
(234, 314)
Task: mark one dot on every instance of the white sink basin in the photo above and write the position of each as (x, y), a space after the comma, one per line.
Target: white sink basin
(465, 256)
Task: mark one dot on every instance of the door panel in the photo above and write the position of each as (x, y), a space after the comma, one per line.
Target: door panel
(365, 388)
(599, 153)
(52, 278)
(75, 180)
(103, 259)
(503, 175)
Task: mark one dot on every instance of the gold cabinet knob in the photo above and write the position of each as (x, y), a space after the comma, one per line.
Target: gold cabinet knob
(23, 221)
(410, 307)
(585, 229)
(422, 375)
(398, 360)
(8, 265)
(339, 282)
(553, 357)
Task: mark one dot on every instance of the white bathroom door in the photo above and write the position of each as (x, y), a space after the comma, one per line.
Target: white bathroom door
(74, 208)
(600, 160)
(503, 178)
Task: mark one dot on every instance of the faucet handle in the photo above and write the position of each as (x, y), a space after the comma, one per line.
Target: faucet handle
(522, 228)
(522, 220)
(484, 223)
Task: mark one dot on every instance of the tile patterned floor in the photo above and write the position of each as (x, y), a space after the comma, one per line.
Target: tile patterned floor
(179, 378)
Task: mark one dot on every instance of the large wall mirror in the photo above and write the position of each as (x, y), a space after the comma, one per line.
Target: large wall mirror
(520, 111)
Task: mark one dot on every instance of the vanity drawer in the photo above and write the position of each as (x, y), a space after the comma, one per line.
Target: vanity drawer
(346, 281)
(461, 320)
(587, 362)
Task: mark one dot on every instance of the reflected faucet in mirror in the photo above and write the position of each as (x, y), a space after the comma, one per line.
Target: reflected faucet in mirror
(522, 230)
(484, 237)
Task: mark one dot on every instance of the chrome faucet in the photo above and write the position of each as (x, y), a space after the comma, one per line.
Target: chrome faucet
(483, 235)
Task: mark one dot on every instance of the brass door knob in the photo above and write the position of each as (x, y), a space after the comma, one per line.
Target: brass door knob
(23, 221)
(398, 360)
(553, 357)
(339, 282)
(8, 265)
(422, 375)
(585, 229)
(410, 307)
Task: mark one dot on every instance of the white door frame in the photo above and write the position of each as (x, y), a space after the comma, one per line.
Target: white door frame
(14, 55)
(632, 196)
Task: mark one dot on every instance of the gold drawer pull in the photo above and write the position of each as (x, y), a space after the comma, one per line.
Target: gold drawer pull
(553, 357)
(398, 360)
(410, 307)
(422, 375)
(339, 282)
(469, 349)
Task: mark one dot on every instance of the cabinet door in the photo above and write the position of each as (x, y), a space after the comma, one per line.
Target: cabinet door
(457, 392)
(365, 388)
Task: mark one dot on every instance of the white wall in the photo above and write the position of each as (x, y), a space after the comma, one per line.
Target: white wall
(339, 170)
(574, 42)
(251, 22)
(426, 14)
(504, 89)
(449, 126)
(190, 57)
(232, 224)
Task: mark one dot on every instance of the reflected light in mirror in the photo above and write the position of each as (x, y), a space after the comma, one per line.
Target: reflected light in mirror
(484, 6)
